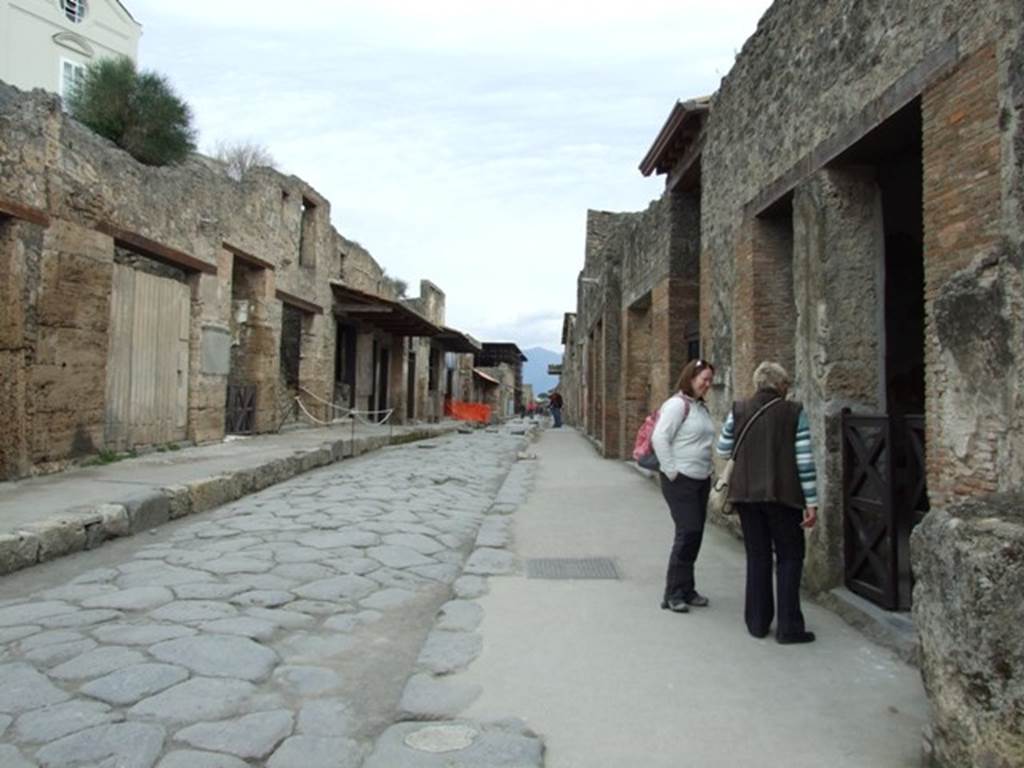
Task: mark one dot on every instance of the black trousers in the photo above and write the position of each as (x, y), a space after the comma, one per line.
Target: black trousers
(688, 502)
(773, 531)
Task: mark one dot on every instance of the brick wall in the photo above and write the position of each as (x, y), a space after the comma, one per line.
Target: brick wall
(635, 373)
(962, 222)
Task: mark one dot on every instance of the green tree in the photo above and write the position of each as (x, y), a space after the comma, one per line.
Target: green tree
(138, 111)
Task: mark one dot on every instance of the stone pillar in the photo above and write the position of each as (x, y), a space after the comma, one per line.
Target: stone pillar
(67, 379)
(837, 255)
(968, 614)
(210, 350)
(20, 247)
(967, 552)
(398, 372)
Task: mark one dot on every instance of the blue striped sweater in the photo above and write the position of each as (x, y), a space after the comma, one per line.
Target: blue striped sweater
(804, 454)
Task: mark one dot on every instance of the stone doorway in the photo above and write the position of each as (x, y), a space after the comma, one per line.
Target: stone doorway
(252, 360)
(345, 364)
(148, 360)
(884, 493)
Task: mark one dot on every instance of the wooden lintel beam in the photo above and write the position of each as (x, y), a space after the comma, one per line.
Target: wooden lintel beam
(301, 304)
(24, 212)
(154, 250)
(246, 257)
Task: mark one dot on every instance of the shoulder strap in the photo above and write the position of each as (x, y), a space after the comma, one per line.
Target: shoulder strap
(686, 406)
(750, 421)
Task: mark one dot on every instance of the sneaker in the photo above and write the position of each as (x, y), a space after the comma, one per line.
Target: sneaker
(696, 599)
(675, 605)
(795, 637)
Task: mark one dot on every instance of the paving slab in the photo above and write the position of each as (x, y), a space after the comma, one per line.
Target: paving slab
(54, 515)
(251, 736)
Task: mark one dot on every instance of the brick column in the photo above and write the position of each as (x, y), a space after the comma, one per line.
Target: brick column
(962, 215)
(635, 372)
(764, 313)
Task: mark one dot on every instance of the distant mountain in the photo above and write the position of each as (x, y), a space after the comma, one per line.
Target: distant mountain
(535, 369)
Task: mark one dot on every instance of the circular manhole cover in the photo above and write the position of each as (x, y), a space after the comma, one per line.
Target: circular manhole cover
(441, 738)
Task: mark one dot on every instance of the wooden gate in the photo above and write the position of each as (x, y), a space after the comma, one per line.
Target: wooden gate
(884, 497)
(241, 410)
(147, 364)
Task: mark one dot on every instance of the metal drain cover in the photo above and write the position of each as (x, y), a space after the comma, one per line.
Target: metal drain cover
(571, 568)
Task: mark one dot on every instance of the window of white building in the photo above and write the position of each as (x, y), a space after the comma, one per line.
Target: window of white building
(74, 9)
(71, 73)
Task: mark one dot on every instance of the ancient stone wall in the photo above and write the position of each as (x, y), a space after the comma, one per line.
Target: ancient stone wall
(826, 103)
(639, 290)
(969, 562)
(781, 114)
(72, 199)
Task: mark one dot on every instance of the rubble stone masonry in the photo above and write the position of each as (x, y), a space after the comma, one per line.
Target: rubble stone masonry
(68, 200)
(793, 267)
(861, 220)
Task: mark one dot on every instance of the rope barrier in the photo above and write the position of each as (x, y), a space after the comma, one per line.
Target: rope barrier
(348, 413)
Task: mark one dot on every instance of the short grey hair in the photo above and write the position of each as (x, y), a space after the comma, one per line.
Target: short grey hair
(769, 375)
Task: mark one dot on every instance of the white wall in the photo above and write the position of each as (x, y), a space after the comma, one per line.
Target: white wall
(35, 35)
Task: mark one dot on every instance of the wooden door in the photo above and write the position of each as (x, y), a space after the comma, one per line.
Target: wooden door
(147, 365)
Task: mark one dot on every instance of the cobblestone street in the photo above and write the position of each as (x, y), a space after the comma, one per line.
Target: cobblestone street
(280, 629)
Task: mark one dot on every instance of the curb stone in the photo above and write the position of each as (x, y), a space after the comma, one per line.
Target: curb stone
(45, 540)
(434, 692)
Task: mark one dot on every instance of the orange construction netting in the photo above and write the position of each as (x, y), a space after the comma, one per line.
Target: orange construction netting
(468, 411)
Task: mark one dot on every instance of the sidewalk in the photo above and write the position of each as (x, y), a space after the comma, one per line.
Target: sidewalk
(609, 680)
(49, 516)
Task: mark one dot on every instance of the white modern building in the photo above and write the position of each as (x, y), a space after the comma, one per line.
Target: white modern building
(48, 43)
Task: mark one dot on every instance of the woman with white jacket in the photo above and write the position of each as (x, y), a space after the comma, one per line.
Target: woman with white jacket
(682, 440)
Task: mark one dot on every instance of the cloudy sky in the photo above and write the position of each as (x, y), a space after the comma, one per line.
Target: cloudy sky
(459, 141)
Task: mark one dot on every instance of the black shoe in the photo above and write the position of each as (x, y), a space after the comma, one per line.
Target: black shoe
(675, 605)
(696, 599)
(795, 637)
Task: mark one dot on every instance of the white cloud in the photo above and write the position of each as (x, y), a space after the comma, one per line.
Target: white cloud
(458, 141)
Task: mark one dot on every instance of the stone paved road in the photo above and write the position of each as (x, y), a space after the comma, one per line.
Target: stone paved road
(279, 630)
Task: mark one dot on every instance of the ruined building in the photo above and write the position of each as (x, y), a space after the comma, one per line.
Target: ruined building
(850, 203)
(145, 306)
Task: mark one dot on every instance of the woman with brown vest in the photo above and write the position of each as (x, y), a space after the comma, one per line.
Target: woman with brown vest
(773, 487)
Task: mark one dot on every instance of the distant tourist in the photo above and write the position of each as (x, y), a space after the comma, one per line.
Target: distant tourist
(773, 487)
(555, 404)
(682, 441)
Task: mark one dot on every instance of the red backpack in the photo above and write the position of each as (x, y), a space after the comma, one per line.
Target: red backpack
(643, 452)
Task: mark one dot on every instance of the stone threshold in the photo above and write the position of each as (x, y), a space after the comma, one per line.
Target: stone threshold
(892, 630)
(81, 528)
